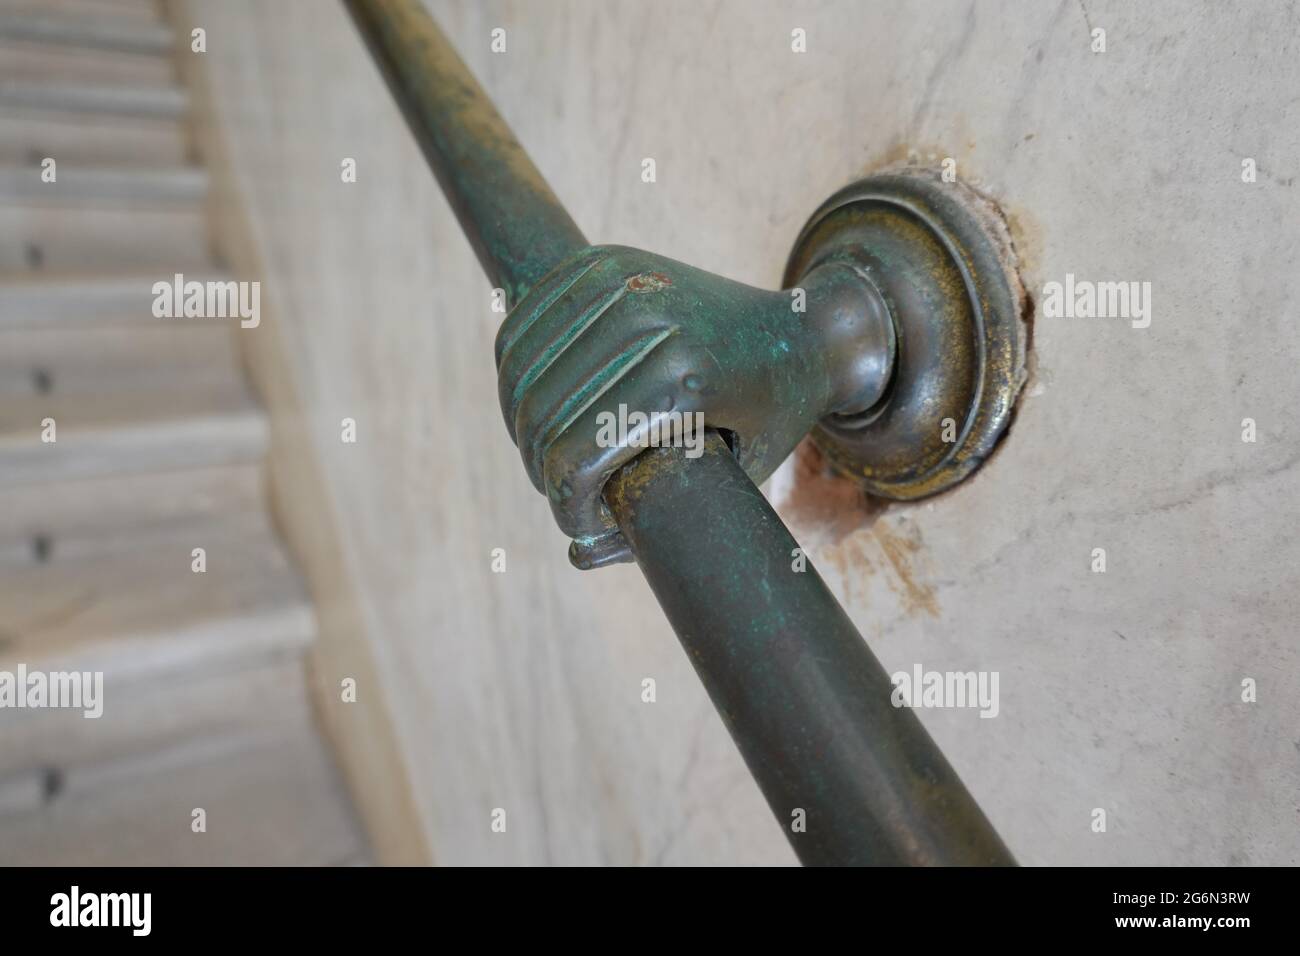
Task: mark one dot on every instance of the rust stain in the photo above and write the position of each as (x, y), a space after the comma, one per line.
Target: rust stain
(825, 501)
(855, 568)
(900, 552)
(960, 144)
(836, 512)
(648, 282)
(830, 510)
(1027, 243)
(1026, 237)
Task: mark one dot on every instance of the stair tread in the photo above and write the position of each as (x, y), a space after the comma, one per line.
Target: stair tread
(96, 32)
(268, 693)
(141, 100)
(75, 182)
(128, 433)
(129, 10)
(20, 417)
(139, 612)
(276, 801)
(84, 516)
(29, 135)
(22, 59)
(138, 235)
(77, 298)
(112, 359)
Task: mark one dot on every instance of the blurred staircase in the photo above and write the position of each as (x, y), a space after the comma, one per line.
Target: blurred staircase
(159, 451)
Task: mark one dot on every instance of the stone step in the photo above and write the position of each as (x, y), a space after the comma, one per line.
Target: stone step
(29, 60)
(265, 693)
(133, 11)
(78, 519)
(103, 184)
(99, 362)
(127, 433)
(159, 102)
(269, 800)
(81, 300)
(95, 32)
(28, 136)
(101, 237)
(142, 615)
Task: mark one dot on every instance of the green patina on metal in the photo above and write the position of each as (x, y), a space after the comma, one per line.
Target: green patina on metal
(620, 328)
(941, 257)
(804, 698)
(517, 227)
(902, 315)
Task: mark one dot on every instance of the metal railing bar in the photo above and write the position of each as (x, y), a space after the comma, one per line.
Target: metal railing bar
(516, 225)
(804, 698)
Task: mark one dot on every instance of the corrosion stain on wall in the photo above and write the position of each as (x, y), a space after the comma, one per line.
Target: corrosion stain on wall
(904, 557)
(842, 528)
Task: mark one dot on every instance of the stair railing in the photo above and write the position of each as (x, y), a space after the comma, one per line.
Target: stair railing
(851, 777)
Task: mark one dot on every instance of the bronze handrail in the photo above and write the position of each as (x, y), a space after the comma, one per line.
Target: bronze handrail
(851, 778)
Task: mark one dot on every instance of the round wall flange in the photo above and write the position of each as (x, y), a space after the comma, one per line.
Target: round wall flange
(941, 257)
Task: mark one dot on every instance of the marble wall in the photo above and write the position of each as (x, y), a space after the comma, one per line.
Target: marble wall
(1119, 690)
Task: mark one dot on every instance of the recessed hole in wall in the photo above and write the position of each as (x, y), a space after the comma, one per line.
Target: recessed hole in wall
(52, 782)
